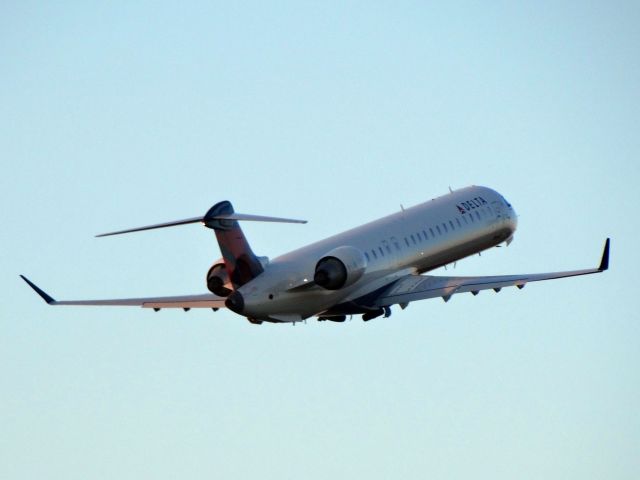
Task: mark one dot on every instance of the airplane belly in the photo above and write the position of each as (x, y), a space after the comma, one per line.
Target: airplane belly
(284, 305)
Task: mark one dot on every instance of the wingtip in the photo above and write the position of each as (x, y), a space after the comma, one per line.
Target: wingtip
(47, 298)
(604, 262)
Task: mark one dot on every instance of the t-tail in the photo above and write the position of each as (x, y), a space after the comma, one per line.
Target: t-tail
(240, 262)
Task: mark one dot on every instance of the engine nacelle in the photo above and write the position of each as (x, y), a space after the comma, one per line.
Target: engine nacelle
(218, 281)
(339, 268)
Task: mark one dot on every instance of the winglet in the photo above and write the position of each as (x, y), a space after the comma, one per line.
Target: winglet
(39, 291)
(604, 263)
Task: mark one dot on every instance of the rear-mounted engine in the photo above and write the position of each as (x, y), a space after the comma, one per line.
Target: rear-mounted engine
(339, 268)
(218, 281)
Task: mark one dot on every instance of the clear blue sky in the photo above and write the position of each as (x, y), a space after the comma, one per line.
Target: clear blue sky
(118, 115)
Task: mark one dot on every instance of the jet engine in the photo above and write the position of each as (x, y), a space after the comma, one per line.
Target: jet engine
(218, 281)
(339, 268)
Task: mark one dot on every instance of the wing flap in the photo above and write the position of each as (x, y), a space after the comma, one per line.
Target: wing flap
(186, 301)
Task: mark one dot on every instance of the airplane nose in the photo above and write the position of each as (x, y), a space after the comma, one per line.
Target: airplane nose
(235, 303)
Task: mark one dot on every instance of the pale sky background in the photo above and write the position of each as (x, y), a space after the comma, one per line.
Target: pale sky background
(123, 115)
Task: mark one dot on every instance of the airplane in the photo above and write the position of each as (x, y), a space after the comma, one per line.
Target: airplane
(362, 271)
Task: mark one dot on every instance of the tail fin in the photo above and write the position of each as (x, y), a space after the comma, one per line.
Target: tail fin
(240, 261)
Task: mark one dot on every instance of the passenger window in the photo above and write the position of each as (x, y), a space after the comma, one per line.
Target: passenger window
(458, 222)
(413, 239)
(381, 251)
(374, 253)
(444, 225)
(451, 223)
(366, 255)
(432, 234)
(424, 234)
(406, 240)
(387, 248)
(438, 229)
(478, 214)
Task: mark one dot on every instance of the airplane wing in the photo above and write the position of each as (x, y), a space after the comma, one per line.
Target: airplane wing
(206, 300)
(421, 287)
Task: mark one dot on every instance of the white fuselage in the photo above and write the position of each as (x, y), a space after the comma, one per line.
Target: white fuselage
(413, 240)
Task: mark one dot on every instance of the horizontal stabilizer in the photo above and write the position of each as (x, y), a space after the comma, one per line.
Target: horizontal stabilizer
(232, 216)
(151, 227)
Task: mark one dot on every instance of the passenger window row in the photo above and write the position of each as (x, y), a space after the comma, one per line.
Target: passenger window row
(421, 236)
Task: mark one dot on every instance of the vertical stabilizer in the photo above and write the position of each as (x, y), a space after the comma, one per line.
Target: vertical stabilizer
(240, 261)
